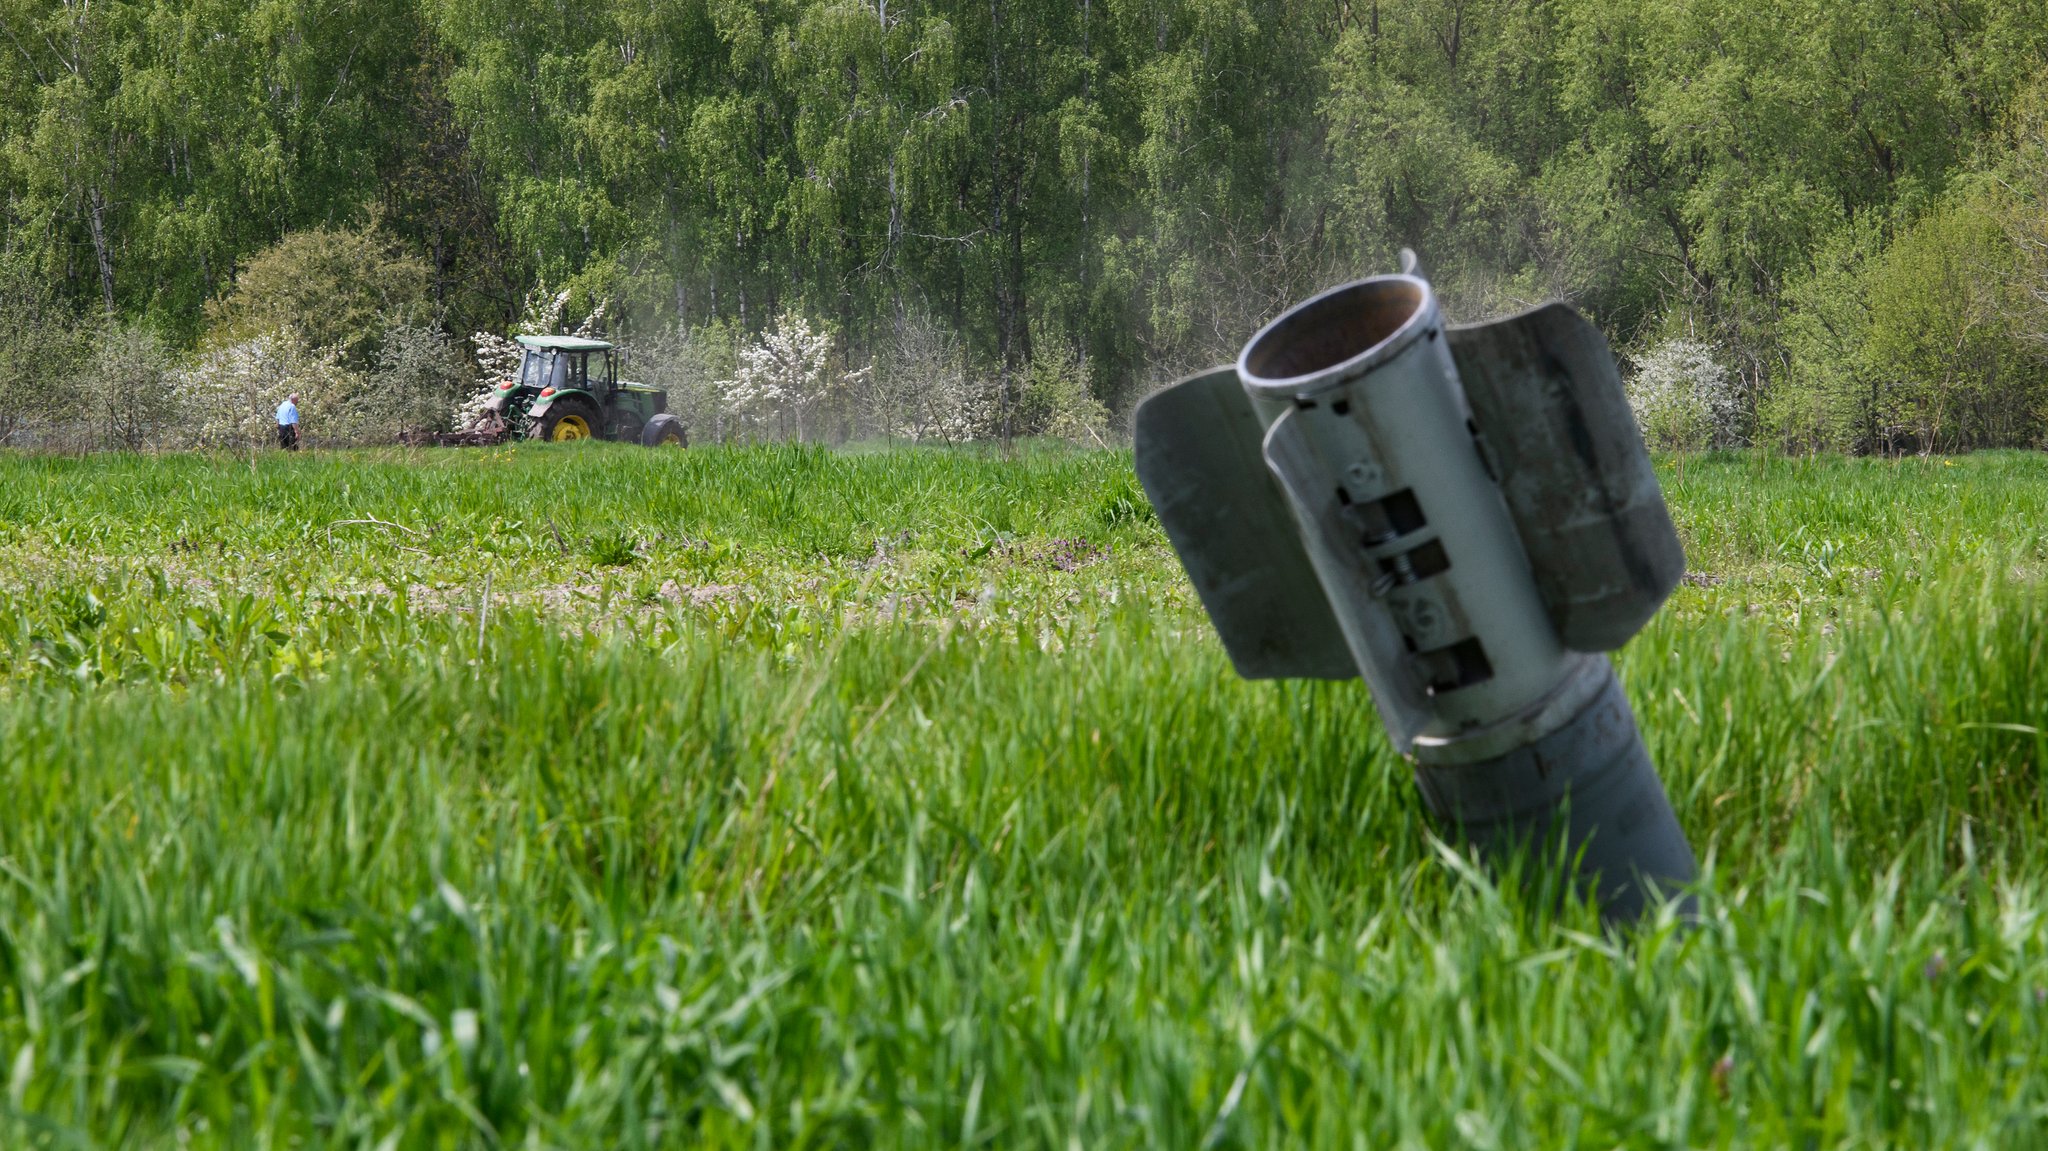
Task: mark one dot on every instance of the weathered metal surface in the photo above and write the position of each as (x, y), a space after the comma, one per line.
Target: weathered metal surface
(1589, 781)
(1557, 429)
(1350, 578)
(1198, 455)
(1375, 452)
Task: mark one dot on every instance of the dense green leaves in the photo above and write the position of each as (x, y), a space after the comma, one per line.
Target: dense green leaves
(150, 146)
(1131, 185)
(905, 799)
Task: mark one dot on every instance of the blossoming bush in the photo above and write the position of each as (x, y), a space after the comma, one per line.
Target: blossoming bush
(792, 382)
(128, 389)
(1684, 399)
(920, 387)
(228, 397)
(782, 381)
(416, 375)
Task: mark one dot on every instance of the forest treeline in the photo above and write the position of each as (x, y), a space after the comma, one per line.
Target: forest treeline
(1811, 223)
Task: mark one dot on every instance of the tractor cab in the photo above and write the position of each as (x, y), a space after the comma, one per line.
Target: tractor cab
(568, 388)
(543, 366)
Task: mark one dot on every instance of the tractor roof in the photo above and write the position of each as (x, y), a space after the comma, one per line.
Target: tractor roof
(564, 343)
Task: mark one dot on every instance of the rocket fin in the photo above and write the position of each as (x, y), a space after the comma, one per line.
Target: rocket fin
(1198, 447)
(1546, 395)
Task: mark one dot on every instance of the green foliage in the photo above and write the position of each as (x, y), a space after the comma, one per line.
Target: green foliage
(2018, 195)
(1439, 115)
(151, 146)
(129, 386)
(1938, 330)
(39, 352)
(890, 800)
(1918, 343)
(613, 549)
(333, 290)
(1056, 399)
(1133, 184)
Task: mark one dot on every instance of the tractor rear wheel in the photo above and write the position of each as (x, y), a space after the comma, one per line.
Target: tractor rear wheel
(664, 431)
(566, 420)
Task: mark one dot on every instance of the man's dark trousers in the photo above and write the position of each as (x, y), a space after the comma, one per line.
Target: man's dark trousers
(288, 437)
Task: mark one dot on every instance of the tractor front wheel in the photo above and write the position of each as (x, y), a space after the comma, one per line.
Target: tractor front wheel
(564, 421)
(664, 431)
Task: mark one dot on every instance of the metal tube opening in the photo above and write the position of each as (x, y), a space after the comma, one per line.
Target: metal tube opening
(1366, 321)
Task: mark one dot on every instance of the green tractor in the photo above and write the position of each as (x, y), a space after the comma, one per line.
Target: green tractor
(568, 388)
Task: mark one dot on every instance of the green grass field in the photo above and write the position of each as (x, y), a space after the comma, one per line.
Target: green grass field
(601, 798)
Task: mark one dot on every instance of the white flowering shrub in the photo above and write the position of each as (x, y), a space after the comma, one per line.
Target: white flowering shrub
(783, 381)
(1684, 399)
(496, 358)
(416, 374)
(919, 388)
(129, 389)
(228, 398)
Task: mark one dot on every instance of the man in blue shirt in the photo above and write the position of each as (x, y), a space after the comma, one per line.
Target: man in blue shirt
(288, 423)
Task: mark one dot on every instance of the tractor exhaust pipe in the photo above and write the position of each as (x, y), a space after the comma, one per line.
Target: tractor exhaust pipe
(1466, 517)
